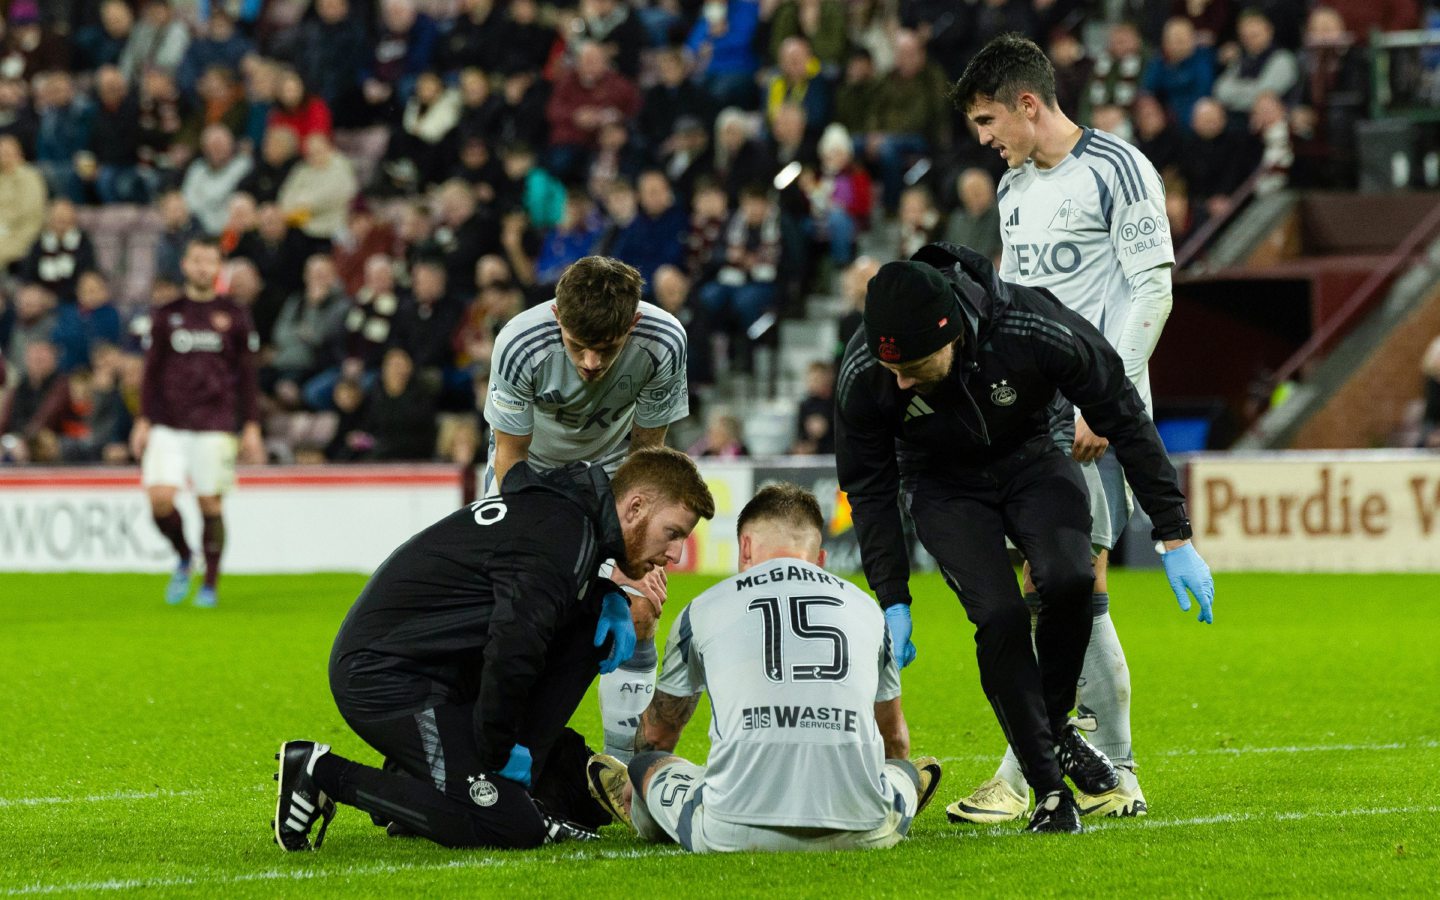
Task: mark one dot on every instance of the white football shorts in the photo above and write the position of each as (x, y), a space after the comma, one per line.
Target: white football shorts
(205, 460)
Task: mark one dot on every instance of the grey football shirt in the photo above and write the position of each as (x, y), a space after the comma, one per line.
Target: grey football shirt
(535, 389)
(794, 660)
(1084, 227)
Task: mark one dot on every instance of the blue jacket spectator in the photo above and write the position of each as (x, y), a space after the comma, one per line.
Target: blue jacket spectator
(221, 46)
(404, 48)
(65, 122)
(655, 237)
(1182, 74)
(80, 326)
(726, 63)
(573, 238)
(102, 43)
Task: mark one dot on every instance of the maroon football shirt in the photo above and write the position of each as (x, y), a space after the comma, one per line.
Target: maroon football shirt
(200, 370)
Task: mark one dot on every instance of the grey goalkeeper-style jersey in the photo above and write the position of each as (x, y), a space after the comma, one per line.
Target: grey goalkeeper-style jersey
(794, 660)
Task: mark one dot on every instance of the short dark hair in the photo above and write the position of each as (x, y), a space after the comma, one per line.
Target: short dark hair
(667, 472)
(785, 503)
(597, 297)
(1007, 66)
(204, 240)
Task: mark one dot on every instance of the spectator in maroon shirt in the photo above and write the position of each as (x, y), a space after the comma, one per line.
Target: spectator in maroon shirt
(589, 96)
(365, 236)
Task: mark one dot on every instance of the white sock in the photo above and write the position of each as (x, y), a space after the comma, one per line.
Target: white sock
(1105, 688)
(1010, 773)
(624, 694)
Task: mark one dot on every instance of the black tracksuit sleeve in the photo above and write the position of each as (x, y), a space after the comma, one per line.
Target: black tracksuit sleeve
(1090, 374)
(535, 594)
(870, 477)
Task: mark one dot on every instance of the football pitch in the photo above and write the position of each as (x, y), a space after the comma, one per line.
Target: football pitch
(1292, 749)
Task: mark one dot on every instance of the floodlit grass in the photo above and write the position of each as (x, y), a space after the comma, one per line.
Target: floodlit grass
(1291, 749)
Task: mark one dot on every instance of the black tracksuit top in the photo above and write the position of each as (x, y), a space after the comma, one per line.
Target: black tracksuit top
(466, 609)
(1020, 345)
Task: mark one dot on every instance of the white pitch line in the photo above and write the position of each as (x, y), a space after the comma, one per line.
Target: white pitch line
(125, 884)
(11, 802)
(1148, 822)
(1245, 751)
(109, 796)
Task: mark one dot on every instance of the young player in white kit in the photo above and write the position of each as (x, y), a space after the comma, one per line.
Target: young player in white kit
(809, 745)
(592, 376)
(1082, 215)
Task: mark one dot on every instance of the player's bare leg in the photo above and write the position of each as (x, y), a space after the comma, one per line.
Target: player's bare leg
(167, 520)
(212, 544)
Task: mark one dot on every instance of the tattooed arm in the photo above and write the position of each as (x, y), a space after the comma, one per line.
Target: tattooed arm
(663, 720)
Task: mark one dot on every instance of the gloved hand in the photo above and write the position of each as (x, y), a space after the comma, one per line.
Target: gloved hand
(615, 623)
(897, 619)
(1187, 571)
(517, 767)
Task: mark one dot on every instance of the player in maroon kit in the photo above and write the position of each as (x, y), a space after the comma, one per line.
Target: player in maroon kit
(200, 386)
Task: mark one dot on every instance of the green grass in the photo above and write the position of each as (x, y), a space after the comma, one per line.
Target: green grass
(1291, 749)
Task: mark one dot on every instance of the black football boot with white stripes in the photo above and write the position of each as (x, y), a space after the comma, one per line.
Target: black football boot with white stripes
(1087, 768)
(301, 804)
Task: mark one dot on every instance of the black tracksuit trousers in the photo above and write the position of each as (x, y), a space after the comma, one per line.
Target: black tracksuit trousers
(1037, 498)
(434, 783)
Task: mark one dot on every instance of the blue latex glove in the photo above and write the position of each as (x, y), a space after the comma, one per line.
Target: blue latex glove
(615, 623)
(517, 767)
(1187, 571)
(897, 619)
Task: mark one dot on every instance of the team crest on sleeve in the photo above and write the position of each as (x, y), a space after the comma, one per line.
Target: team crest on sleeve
(888, 351)
(482, 792)
(1002, 394)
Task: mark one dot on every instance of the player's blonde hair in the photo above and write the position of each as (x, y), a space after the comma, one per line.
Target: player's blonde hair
(667, 473)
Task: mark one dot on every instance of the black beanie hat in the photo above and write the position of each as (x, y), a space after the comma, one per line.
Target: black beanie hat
(910, 312)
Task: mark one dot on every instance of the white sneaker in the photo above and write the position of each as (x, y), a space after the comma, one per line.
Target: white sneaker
(992, 802)
(1125, 801)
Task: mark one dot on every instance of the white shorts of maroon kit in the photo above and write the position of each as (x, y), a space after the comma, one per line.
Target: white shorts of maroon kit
(203, 460)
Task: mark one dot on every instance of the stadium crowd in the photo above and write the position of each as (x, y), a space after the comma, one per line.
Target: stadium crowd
(392, 181)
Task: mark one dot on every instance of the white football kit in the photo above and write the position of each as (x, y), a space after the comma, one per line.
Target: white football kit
(535, 389)
(794, 660)
(1084, 229)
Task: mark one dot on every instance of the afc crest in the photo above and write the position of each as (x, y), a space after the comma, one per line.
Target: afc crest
(1002, 394)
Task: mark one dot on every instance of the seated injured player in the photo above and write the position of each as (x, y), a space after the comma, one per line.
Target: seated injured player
(809, 746)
